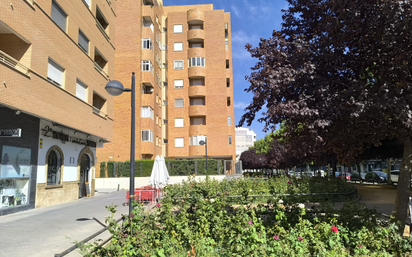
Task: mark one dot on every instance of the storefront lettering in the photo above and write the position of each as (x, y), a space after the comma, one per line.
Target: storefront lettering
(10, 132)
(48, 132)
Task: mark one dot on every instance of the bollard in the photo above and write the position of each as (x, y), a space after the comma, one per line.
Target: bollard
(118, 186)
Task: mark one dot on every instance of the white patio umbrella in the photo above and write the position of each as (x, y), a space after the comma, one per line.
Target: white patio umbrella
(160, 175)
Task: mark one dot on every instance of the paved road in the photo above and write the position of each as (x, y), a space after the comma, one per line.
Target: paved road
(380, 197)
(46, 231)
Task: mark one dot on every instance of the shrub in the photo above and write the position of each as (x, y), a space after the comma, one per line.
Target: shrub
(110, 169)
(103, 169)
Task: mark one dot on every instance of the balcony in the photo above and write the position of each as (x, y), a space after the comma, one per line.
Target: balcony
(197, 51)
(194, 15)
(13, 63)
(148, 100)
(197, 110)
(148, 11)
(197, 150)
(148, 77)
(197, 130)
(197, 91)
(147, 147)
(195, 34)
(197, 71)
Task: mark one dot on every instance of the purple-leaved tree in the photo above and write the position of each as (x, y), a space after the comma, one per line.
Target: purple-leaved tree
(339, 73)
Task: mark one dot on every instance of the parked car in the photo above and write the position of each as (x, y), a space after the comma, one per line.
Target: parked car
(394, 176)
(356, 177)
(373, 178)
(345, 175)
(382, 175)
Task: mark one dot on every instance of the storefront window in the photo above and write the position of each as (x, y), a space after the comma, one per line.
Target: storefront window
(54, 163)
(15, 176)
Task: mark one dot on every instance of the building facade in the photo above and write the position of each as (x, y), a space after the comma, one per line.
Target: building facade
(184, 84)
(55, 58)
(245, 138)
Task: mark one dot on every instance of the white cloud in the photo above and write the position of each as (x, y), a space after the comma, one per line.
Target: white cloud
(235, 10)
(240, 105)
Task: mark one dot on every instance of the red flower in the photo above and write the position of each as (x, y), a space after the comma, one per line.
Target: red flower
(158, 205)
(289, 183)
(334, 229)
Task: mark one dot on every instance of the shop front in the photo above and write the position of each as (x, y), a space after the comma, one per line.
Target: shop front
(18, 150)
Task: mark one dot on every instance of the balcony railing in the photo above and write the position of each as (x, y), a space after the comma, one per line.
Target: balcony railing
(97, 67)
(13, 63)
(102, 30)
(99, 112)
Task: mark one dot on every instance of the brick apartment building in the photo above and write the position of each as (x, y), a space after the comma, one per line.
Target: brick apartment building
(55, 58)
(184, 84)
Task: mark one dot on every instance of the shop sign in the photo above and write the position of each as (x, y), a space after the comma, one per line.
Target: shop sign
(10, 132)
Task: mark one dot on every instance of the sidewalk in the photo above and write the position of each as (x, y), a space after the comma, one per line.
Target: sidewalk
(50, 230)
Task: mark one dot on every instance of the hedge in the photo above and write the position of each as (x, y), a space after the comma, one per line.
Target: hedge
(103, 169)
(143, 168)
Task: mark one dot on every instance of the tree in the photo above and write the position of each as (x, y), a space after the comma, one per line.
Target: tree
(263, 145)
(339, 72)
(253, 160)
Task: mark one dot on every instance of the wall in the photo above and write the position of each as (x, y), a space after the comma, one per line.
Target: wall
(123, 183)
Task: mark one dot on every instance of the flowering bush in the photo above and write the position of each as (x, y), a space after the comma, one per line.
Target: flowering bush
(202, 227)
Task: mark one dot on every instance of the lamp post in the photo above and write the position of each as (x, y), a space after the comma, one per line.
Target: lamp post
(116, 88)
(205, 144)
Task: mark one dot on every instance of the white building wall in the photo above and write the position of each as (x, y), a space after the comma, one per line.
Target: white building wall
(245, 138)
(71, 152)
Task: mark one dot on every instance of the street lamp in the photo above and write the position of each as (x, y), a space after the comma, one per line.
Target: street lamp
(204, 143)
(116, 88)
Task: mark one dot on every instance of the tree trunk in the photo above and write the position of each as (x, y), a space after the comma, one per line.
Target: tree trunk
(388, 163)
(359, 172)
(404, 182)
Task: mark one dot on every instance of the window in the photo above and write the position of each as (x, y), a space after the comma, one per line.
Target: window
(178, 46)
(87, 2)
(165, 102)
(147, 112)
(194, 140)
(179, 123)
(196, 26)
(99, 59)
(227, 64)
(147, 43)
(160, 141)
(196, 45)
(165, 141)
(178, 28)
(230, 140)
(55, 73)
(158, 80)
(179, 142)
(81, 90)
(197, 121)
(178, 83)
(147, 65)
(147, 22)
(228, 82)
(98, 102)
(179, 103)
(197, 61)
(58, 15)
(165, 121)
(228, 101)
(101, 20)
(54, 166)
(229, 121)
(165, 84)
(147, 136)
(147, 89)
(178, 65)
(83, 42)
(197, 101)
(197, 82)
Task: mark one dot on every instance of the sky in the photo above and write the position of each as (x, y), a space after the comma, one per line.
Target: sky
(251, 21)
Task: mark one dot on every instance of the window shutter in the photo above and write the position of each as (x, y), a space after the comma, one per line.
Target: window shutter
(81, 90)
(55, 72)
(58, 15)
